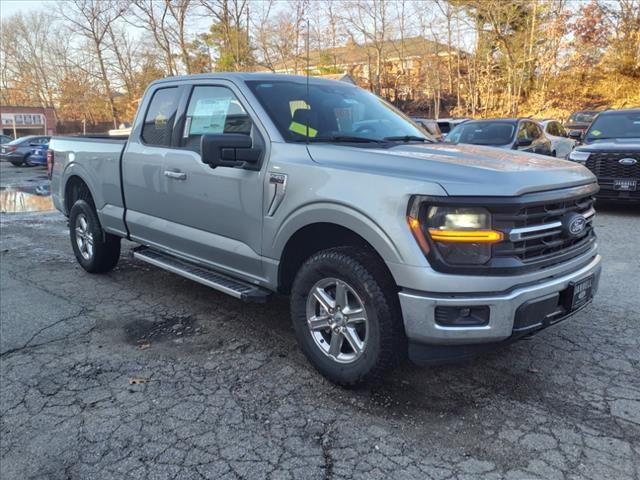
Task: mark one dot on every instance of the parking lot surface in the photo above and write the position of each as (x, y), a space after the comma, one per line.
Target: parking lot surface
(140, 373)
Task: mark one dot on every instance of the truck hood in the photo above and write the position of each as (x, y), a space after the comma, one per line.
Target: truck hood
(614, 145)
(467, 170)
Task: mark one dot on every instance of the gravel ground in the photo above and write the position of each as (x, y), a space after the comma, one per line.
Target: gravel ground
(142, 374)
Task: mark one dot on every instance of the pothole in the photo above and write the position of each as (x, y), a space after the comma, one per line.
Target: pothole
(139, 332)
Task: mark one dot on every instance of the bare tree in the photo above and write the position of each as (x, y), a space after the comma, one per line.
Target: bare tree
(92, 19)
(154, 17)
(368, 21)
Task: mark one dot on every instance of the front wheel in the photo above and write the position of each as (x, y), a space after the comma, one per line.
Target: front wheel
(95, 250)
(346, 315)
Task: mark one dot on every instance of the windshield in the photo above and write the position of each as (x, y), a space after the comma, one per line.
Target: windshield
(332, 113)
(582, 117)
(614, 125)
(482, 133)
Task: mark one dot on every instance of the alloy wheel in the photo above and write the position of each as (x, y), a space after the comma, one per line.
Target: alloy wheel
(337, 320)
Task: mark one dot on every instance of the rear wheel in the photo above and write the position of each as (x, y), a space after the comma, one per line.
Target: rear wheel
(346, 315)
(19, 163)
(95, 250)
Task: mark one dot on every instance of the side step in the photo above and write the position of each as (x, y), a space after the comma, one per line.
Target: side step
(211, 278)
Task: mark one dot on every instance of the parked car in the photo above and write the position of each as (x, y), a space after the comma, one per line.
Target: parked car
(448, 124)
(509, 133)
(18, 151)
(579, 121)
(387, 244)
(611, 150)
(561, 144)
(430, 126)
(38, 155)
(5, 139)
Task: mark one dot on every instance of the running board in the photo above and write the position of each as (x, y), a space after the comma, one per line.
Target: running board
(211, 278)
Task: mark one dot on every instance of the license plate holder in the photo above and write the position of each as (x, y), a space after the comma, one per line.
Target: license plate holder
(580, 292)
(625, 184)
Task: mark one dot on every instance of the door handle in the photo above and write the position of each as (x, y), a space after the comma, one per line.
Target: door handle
(177, 174)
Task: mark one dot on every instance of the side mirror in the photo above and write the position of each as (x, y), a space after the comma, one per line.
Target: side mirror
(229, 150)
(575, 135)
(524, 142)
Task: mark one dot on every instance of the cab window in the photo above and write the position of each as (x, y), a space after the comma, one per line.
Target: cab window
(213, 110)
(523, 133)
(160, 117)
(533, 130)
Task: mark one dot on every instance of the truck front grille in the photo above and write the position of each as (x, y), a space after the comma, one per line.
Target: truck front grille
(536, 227)
(537, 235)
(607, 166)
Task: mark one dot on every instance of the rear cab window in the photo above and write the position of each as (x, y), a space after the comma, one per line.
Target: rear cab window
(160, 117)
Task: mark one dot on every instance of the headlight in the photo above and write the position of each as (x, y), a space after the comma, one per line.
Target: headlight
(578, 156)
(461, 235)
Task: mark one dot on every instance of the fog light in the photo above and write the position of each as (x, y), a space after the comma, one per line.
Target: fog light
(475, 316)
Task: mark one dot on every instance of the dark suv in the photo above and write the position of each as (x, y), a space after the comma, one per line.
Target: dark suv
(611, 150)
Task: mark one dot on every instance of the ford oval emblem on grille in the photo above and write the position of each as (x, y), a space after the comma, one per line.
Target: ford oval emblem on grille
(574, 225)
(627, 161)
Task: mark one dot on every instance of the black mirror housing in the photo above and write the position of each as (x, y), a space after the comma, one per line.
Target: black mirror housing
(229, 150)
(575, 135)
(524, 142)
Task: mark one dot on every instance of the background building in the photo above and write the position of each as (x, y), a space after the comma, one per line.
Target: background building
(21, 121)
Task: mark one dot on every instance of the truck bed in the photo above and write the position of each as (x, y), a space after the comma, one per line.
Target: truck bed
(97, 160)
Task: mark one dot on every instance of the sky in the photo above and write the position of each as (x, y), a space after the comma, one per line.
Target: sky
(9, 7)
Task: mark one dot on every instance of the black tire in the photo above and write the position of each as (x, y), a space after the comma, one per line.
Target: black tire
(364, 272)
(17, 163)
(105, 251)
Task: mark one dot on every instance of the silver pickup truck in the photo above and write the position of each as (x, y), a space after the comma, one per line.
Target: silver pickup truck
(388, 244)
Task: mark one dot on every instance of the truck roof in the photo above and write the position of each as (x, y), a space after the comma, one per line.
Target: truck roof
(247, 76)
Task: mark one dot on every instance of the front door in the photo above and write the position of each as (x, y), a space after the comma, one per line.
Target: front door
(216, 212)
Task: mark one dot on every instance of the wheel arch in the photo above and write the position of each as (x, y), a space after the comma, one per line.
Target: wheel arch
(313, 230)
(75, 188)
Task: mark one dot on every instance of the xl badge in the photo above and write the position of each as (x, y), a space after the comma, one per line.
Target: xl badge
(574, 225)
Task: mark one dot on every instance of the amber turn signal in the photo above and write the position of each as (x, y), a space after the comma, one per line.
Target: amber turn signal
(466, 236)
(416, 230)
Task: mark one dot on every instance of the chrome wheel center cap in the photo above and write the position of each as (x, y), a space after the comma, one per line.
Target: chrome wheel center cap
(338, 319)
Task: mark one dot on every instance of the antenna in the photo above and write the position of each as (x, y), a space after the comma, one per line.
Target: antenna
(308, 97)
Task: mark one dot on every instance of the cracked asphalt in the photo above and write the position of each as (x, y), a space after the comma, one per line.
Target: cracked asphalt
(142, 374)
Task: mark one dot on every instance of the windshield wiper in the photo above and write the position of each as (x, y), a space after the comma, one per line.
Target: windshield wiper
(407, 138)
(346, 139)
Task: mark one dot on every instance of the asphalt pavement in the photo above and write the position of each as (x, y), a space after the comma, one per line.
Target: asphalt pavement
(142, 374)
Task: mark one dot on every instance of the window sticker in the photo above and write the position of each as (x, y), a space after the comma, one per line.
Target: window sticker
(209, 116)
(595, 133)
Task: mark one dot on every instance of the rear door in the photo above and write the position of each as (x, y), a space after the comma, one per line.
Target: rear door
(143, 179)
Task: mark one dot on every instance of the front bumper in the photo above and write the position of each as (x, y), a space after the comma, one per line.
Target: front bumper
(608, 193)
(418, 310)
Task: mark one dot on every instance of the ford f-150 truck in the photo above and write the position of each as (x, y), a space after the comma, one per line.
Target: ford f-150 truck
(388, 244)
